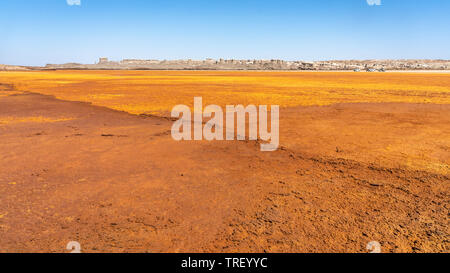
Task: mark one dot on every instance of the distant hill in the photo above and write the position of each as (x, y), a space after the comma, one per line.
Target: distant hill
(13, 68)
(221, 64)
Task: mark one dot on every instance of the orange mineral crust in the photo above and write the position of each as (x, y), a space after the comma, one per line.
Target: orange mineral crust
(156, 92)
(363, 157)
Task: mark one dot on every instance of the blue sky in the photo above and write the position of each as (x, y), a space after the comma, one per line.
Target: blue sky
(36, 32)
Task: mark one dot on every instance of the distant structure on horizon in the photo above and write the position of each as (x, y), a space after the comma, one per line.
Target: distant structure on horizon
(103, 60)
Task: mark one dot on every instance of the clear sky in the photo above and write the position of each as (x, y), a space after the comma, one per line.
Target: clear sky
(36, 32)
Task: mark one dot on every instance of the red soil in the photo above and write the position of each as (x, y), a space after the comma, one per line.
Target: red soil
(117, 182)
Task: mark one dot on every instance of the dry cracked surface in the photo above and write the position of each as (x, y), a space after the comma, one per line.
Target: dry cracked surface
(117, 182)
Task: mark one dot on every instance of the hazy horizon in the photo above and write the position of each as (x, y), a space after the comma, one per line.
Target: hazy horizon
(331, 60)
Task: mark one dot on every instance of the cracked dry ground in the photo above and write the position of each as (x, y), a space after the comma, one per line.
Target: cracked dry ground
(117, 182)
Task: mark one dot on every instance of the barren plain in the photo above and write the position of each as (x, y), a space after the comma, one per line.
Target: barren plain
(87, 156)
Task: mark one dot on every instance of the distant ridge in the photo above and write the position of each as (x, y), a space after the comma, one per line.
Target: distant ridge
(13, 68)
(221, 64)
